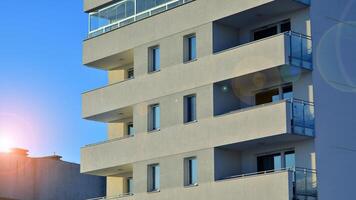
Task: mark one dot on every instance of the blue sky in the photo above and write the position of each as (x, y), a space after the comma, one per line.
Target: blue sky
(42, 78)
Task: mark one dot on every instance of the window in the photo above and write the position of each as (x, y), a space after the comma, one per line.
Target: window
(289, 160)
(154, 117)
(130, 73)
(287, 92)
(153, 178)
(129, 185)
(190, 108)
(269, 162)
(190, 171)
(274, 94)
(130, 129)
(285, 159)
(190, 48)
(154, 59)
(271, 30)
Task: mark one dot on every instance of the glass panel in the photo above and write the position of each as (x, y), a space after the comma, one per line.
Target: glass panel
(287, 92)
(156, 59)
(290, 160)
(143, 5)
(190, 109)
(285, 27)
(267, 32)
(193, 171)
(192, 48)
(267, 96)
(269, 162)
(112, 14)
(130, 129)
(129, 185)
(277, 162)
(156, 118)
(156, 184)
(130, 73)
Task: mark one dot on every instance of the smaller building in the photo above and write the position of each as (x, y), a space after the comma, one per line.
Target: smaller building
(46, 178)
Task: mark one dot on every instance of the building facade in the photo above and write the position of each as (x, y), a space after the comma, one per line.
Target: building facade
(222, 99)
(45, 178)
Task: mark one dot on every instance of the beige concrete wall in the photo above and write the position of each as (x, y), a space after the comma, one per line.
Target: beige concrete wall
(91, 4)
(207, 132)
(115, 186)
(172, 170)
(173, 56)
(236, 62)
(116, 130)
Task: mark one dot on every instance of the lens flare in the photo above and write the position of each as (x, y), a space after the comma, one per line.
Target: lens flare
(5, 145)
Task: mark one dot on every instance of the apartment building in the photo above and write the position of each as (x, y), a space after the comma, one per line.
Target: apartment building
(45, 178)
(222, 99)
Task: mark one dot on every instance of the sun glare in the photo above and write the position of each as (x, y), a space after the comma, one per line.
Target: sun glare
(5, 145)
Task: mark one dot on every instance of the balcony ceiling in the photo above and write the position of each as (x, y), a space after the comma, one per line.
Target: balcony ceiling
(272, 140)
(263, 12)
(114, 61)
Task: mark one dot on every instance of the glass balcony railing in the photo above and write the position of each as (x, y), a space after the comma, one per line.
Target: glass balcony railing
(305, 184)
(121, 196)
(304, 181)
(302, 116)
(126, 12)
(300, 50)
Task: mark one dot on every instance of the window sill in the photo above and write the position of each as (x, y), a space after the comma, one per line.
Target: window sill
(191, 122)
(189, 61)
(153, 72)
(154, 130)
(153, 191)
(192, 185)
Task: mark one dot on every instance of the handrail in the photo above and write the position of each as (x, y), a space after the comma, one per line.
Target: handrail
(109, 141)
(295, 169)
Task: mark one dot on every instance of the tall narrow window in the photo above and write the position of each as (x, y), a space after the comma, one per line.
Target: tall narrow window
(153, 178)
(190, 108)
(130, 73)
(129, 185)
(154, 117)
(190, 171)
(154, 59)
(190, 48)
(130, 129)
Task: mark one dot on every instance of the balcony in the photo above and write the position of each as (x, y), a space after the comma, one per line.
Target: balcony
(276, 185)
(122, 196)
(286, 49)
(269, 123)
(126, 12)
(97, 51)
(303, 186)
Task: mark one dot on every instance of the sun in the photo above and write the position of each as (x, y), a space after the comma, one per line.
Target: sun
(5, 145)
